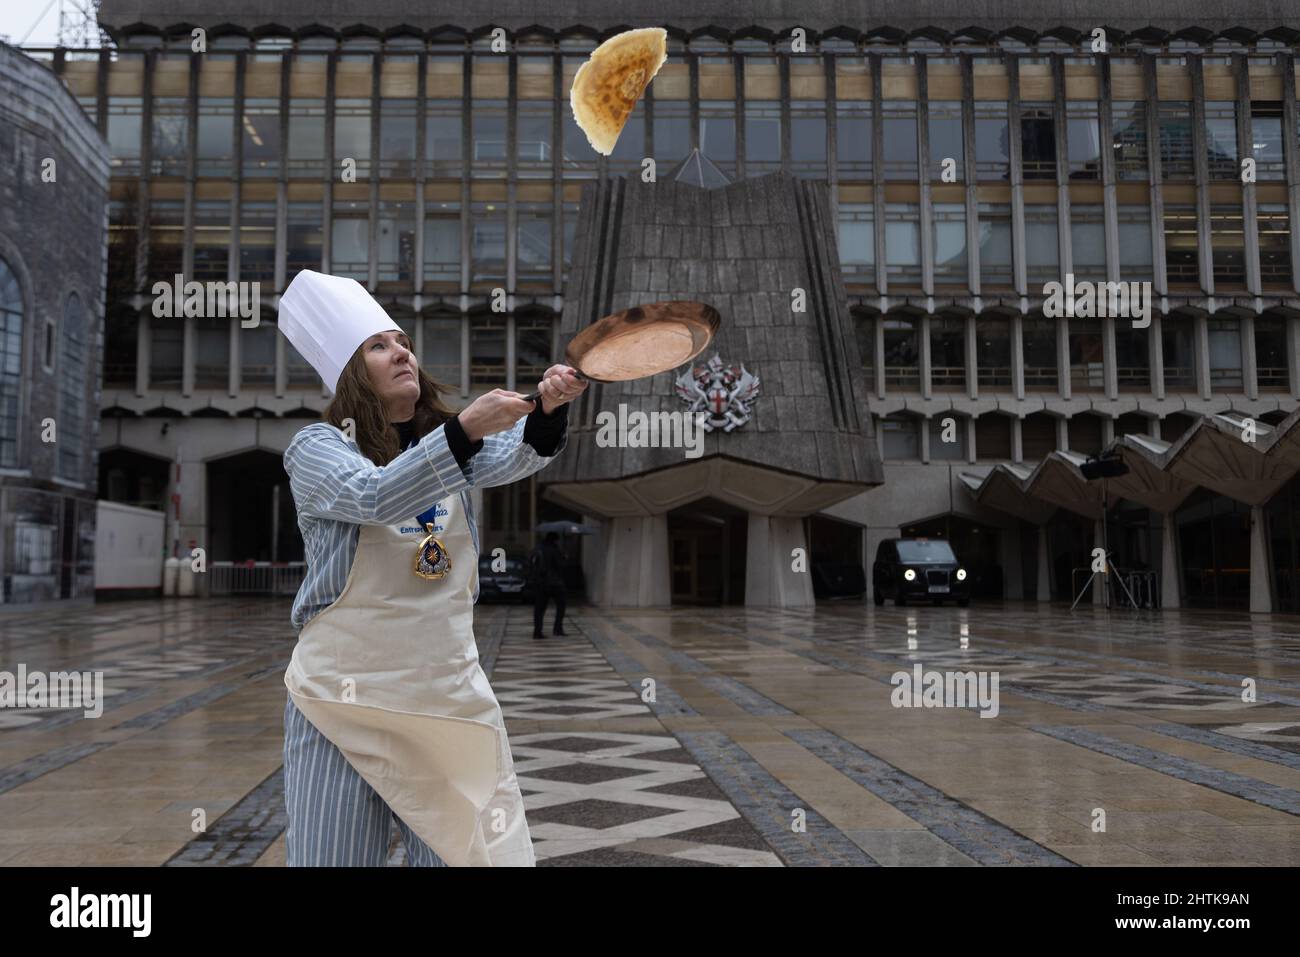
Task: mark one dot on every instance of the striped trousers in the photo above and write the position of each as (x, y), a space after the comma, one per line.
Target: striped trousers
(335, 818)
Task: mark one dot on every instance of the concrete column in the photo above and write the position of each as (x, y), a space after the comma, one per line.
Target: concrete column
(769, 579)
(1044, 586)
(1261, 567)
(1170, 579)
(635, 563)
(1098, 581)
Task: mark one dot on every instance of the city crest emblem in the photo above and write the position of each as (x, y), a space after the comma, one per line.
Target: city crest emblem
(432, 560)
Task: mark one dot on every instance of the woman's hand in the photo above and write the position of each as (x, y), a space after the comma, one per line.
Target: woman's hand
(560, 384)
(493, 412)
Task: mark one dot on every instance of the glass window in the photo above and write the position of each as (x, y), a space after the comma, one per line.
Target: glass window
(993, 351)
(1181, 245)
(124, 125)
(762, 136)
(532, 348)
(216, 139)
(350, 240)
(1040, 353)
(257, 355)
(853, 140)
(488, 142)
(211, 239)
(1037, 436)
(808, 139)
(1088, 241)
(352, 134)
(948, 438)
(1042, 259)
(1270, 353)
(487, 352)
(950, 243)
(488, 243)
(168, 140)
(397, 122)
(993, 438)
(995, 244)
(533, 241)
(306, 138)
(261, 132)
(212, 353)
(1228, 242)
(166, 341)
(1176, 147)
(629, 150)
(1037, 141)
(992, 140)
(1178, 352)
(166, 238)
(718, 133)
(1087, 374)
(442, 244)
(947, 352)
(903, 244)
(857, 240)
(900, 437)
(864, 328)
(1225, 354)
(1135, 257)
(1132, 358)
(533, 154)
(946, 138)
(672, 131)
(395, 240)
(569, 233)
(1221, 139)
(1274, 224)
(899, 132)
(257, 241)
(442, 138)
(902, 353)
(303, 238)
(1129, 139)
(11, 363)
(1266, 134)
(1083, 135)
(441, 345)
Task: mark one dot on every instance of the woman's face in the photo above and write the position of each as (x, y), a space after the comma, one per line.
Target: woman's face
(391, 366)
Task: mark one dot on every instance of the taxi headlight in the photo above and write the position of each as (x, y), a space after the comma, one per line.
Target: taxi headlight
(961, 574)
(910, 574)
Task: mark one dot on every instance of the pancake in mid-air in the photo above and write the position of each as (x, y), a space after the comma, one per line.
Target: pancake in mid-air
(607, 86)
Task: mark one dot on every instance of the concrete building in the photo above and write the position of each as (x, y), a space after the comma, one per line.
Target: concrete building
(969, 162)
(53, 221)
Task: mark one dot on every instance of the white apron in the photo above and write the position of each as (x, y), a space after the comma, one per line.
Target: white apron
(389, 673)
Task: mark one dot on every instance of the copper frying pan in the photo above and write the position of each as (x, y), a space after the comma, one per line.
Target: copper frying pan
(641, 341)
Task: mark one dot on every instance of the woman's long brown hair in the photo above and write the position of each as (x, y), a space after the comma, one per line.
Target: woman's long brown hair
(355, 399)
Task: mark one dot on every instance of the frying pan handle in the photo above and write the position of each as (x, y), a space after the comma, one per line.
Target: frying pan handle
(536, 396)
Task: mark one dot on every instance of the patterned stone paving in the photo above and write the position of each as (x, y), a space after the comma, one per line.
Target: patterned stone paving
(704, 737)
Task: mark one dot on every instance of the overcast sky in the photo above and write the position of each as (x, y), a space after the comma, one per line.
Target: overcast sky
(41, 17)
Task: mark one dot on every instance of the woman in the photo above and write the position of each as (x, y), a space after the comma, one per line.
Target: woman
(389, 713)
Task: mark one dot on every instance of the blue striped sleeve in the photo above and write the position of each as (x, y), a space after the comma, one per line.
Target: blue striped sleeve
(330, 478)
(506, 457)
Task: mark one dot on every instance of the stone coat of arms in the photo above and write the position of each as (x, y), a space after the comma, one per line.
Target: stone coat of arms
(725, 394)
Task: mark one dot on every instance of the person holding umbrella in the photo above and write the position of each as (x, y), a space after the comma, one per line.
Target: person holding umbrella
(389, 713)
(546, 575)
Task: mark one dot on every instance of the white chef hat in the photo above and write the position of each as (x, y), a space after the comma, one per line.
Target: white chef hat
(327, 318)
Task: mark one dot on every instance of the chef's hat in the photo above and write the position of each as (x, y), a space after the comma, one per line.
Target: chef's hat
(327, 318)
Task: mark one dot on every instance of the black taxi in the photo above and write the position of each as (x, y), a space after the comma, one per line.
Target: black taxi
(919, 569)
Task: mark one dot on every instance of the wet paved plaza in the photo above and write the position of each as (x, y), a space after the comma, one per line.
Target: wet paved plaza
(717, 736)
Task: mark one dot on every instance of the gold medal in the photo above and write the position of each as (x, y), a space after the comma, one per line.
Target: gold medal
(432, 560)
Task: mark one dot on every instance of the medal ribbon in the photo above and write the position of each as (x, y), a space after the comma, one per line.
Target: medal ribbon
(430, 513)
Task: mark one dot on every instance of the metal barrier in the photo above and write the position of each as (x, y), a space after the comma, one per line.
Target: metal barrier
(254, 578)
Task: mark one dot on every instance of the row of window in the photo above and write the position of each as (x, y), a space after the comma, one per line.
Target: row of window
(905, 437)
(394, 154)
(899, 338)
(440, 345)
(63, 352)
